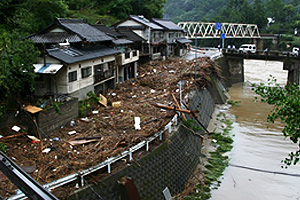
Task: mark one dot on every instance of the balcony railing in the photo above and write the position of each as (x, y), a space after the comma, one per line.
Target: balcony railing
(128, 57)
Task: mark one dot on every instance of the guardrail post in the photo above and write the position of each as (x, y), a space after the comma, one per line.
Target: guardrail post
(147, 145)
(169, 127)
(81, 181)
(108, 167)
(130, 154)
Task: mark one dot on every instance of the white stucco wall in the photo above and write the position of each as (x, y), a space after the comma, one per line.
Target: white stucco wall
(61, 78)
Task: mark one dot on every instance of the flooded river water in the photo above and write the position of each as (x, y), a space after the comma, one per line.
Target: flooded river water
(254, 171)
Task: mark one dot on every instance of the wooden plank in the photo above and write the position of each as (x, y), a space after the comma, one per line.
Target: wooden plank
(172, 108)
(78, 142)
(175, 100)
(102, 100)
(32, 109)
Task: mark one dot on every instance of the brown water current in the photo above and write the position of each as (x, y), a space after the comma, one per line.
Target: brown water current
(254, 170)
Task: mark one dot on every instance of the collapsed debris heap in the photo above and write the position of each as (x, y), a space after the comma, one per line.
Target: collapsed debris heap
(128, 117)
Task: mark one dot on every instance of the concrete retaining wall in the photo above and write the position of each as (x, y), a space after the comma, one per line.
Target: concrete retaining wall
(51, 120)
(232, 69)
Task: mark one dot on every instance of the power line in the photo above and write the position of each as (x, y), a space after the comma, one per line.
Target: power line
(263, 170)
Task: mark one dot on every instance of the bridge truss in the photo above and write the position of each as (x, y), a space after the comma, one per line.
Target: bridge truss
(210, 30)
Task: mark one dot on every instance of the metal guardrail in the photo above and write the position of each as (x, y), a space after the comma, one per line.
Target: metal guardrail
(107, 163)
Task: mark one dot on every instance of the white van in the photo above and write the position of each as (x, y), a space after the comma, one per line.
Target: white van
(245, 48)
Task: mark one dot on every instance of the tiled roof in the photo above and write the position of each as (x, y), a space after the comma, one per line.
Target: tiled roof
(107, 30)
(141, 19)
(167, 24)
(122, 41)
(84, 30)
(77, 30)
(72, 55)
(132, 36)
(183, 40)
(55, 37)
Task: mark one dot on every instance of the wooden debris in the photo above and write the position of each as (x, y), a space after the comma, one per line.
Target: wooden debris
(94, 138)
(11, 136)
(102, 100)
(33, 109)
(173, 108)
(116, 104)
(83, 141)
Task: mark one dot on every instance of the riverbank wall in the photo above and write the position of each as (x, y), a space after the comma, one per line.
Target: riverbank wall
(166, 168)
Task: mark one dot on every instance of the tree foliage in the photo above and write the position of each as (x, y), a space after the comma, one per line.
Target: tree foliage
(16, 68)
(19, 18)
(286, 102)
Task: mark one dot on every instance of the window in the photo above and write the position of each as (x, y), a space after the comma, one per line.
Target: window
(85, 72)
(72, 76)
(155, 49)
(161, 34)
(104, 71)
(134, 53)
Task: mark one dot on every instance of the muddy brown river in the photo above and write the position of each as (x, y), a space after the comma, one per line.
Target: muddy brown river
(254, 171)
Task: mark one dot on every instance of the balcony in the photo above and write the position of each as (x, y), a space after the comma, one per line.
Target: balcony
(128, 57)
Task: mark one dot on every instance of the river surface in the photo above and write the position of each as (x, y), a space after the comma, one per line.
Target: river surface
(254, 171)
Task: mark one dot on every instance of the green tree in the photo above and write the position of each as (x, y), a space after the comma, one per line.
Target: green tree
(29, 16)
(120, 8)
(16, 68)
(259, 11)
(37, 14)
(286, 102)
(149, 8)
(274, 9)
(238, 11)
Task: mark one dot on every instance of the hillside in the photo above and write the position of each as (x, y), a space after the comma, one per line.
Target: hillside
(192, 10)
(231, 10)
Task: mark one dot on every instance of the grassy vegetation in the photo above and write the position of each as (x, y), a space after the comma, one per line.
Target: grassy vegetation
(217, 161)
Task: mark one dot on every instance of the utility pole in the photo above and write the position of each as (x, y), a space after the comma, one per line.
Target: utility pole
(195, 57)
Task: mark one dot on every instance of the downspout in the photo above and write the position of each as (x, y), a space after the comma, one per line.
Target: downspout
(44, 54)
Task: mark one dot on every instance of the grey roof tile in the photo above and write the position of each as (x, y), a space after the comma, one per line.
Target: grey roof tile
(183, 40)
(122, 41)
(107, 30)
(72, 55)
(86, 31)
(167, 24)
(132, 36)
(55, 37)
(141, 19)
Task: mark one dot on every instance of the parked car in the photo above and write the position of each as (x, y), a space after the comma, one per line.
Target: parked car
(295, 51)
(245, 48)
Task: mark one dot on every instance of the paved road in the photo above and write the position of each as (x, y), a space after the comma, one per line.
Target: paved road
(205, 52)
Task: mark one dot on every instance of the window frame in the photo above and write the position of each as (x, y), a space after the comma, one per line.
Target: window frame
(72, 76)
(86, 72)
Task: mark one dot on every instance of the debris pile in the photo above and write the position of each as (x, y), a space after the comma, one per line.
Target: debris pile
(124, 117)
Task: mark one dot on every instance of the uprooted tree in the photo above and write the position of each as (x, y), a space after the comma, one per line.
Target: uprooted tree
(286, 102)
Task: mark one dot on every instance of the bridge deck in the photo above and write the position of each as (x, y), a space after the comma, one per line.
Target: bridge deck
(261, 55)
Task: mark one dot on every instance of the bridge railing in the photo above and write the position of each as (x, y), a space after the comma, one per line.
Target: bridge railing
(262, 54)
